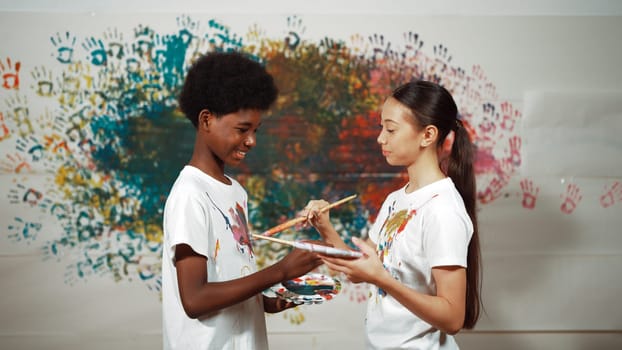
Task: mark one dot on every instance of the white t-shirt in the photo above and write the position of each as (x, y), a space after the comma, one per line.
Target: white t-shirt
(414, 232)
(211, 217)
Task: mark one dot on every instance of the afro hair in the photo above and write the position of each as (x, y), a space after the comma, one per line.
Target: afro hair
(225, 83)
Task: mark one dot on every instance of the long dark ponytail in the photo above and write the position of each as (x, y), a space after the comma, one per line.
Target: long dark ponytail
(431, 104)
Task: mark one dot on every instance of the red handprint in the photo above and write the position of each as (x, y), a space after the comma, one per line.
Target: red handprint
(573, 197)
(10, 79)
(492, 192)
(515, 144)
(510, 116)
(612, 195)
(5, 133)
(530, 193)
(504, 172)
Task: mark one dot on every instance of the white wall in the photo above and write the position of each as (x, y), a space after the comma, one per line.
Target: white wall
(419, 7)
(550, 278)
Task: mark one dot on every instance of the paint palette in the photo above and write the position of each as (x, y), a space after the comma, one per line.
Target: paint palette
(309, 289)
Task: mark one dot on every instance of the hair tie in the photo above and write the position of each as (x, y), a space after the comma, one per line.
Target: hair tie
(458, 124)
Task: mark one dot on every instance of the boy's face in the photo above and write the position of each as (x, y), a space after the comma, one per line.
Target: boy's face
(233, 135)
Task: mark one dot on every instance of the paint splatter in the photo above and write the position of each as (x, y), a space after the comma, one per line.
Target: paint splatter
(111, 139)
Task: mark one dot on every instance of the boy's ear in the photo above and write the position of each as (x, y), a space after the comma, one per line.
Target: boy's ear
(204, 118)
(430, 135)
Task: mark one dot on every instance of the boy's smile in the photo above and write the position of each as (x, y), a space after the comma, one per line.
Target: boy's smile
(231, 136)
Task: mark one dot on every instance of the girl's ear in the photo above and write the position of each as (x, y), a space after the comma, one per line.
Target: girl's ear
(430, 136)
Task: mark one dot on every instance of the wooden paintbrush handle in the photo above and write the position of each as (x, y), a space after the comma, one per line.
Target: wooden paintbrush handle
(295, 221)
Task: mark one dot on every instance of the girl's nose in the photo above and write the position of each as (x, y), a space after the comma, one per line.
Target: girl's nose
(380, 139)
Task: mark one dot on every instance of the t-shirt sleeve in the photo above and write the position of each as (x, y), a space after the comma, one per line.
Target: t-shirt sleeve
(188, 222)
(447, 238)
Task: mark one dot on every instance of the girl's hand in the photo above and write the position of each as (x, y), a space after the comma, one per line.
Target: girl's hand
(367, 268)
(317, 219)
(321, 222)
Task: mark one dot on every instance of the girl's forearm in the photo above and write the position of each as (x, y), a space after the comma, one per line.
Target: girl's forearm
(435, 310)
(332, 237)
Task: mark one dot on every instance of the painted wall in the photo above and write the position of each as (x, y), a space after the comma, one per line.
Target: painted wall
(82, 177)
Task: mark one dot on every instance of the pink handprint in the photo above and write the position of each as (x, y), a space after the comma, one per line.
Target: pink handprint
(478, 72)
(573, 197)
(510, 116)
(492, 191)
(612, 195)
(491, 90)
(515, 144)
(530, 193)
(505, 170)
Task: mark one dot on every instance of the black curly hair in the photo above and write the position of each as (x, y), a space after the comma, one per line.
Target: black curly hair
(226, 82)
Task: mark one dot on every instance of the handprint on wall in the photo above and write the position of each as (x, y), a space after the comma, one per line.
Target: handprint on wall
(10, 74)
(571, 198)
(612, 195)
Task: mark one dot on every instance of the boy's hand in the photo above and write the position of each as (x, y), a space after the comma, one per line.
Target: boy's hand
(297, 263)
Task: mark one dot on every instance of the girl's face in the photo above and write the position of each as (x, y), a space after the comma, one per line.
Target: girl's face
(399, 139)
(233, 135)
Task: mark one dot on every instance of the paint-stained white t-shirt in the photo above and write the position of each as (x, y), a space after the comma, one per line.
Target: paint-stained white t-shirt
(210, 217)
(415, 232)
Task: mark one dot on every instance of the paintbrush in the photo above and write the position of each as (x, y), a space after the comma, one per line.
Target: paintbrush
(295, 221)
(318, 248)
